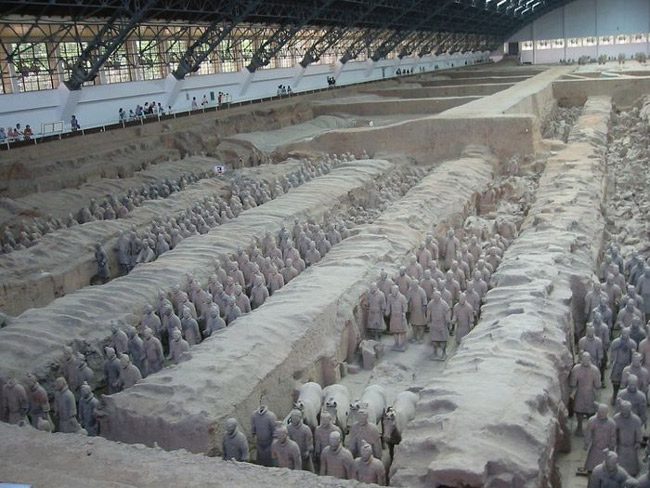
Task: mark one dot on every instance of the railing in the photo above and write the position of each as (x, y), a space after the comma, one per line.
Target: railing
(149, 118)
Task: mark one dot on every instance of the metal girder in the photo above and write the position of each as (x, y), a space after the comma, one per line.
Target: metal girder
(446, 44)
(393, 41)
(333, 35)
(417, 41)
(330, 37)
(271, 46)
(430, 44)
(110, 37)
(359, 44)
(461, 16)
(233, 13)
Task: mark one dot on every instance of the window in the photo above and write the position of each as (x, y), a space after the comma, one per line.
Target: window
(543, 44)
(174, 52)
(622, 39)
(116, 69)
(147, 60)
(575, 42)
(558, 43)
(527, 46)
(32, 66)
(606, 40)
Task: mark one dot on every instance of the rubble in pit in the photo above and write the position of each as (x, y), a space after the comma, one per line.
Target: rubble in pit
(559, 123)
(628, 208)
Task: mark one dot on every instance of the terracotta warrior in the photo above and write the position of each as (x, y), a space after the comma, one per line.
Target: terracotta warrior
(136, 349)
(119, 340)
(636, 398)
(438, 318)
(112, 370)
(301, 435)
(462, 317)
(15, 404)
(259, 293)
(190, 328)
(336, 460)
(88, 406)
(396, 308)
(65, 407)
(364, 431)
(638, 370)
(376, 303)
(153, 350)
(417, 309)
(177, 347)
(129, 374)
(402, 280)
(585, 380)
(600, 435)
(369, 469)
(101, 258)
(284, 451)
(263, 423)
(621, 352)
(235, 444)
(629, 436)
(214, 322)
(39, 403)
(322, 434)
(593, 345)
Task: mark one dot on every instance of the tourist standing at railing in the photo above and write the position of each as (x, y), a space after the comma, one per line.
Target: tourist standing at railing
(28, 133)
(204, 102)
(74, 124)
(3, 135)
(195, 105)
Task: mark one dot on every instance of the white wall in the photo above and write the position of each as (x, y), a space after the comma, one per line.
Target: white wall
(583, 18)
(98, 105)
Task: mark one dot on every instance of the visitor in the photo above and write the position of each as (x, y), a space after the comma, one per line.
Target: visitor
(289, 92)
(13, 134)
(28, 133)
(122, 115)
(195, 105)
(131, 114)
(74, 124)
(3, 135)
(161, 109)
(279, 90)
(204, 102)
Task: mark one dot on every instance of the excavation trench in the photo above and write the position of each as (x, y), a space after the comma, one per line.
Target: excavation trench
(517, 359)
(64, 261)
(82, 319)
(397, 372)
(304, 331)
(364, 206)
(37, 207)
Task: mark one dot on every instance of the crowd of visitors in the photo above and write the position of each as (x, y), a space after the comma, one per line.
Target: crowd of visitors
(284, 90)
(12, 134)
